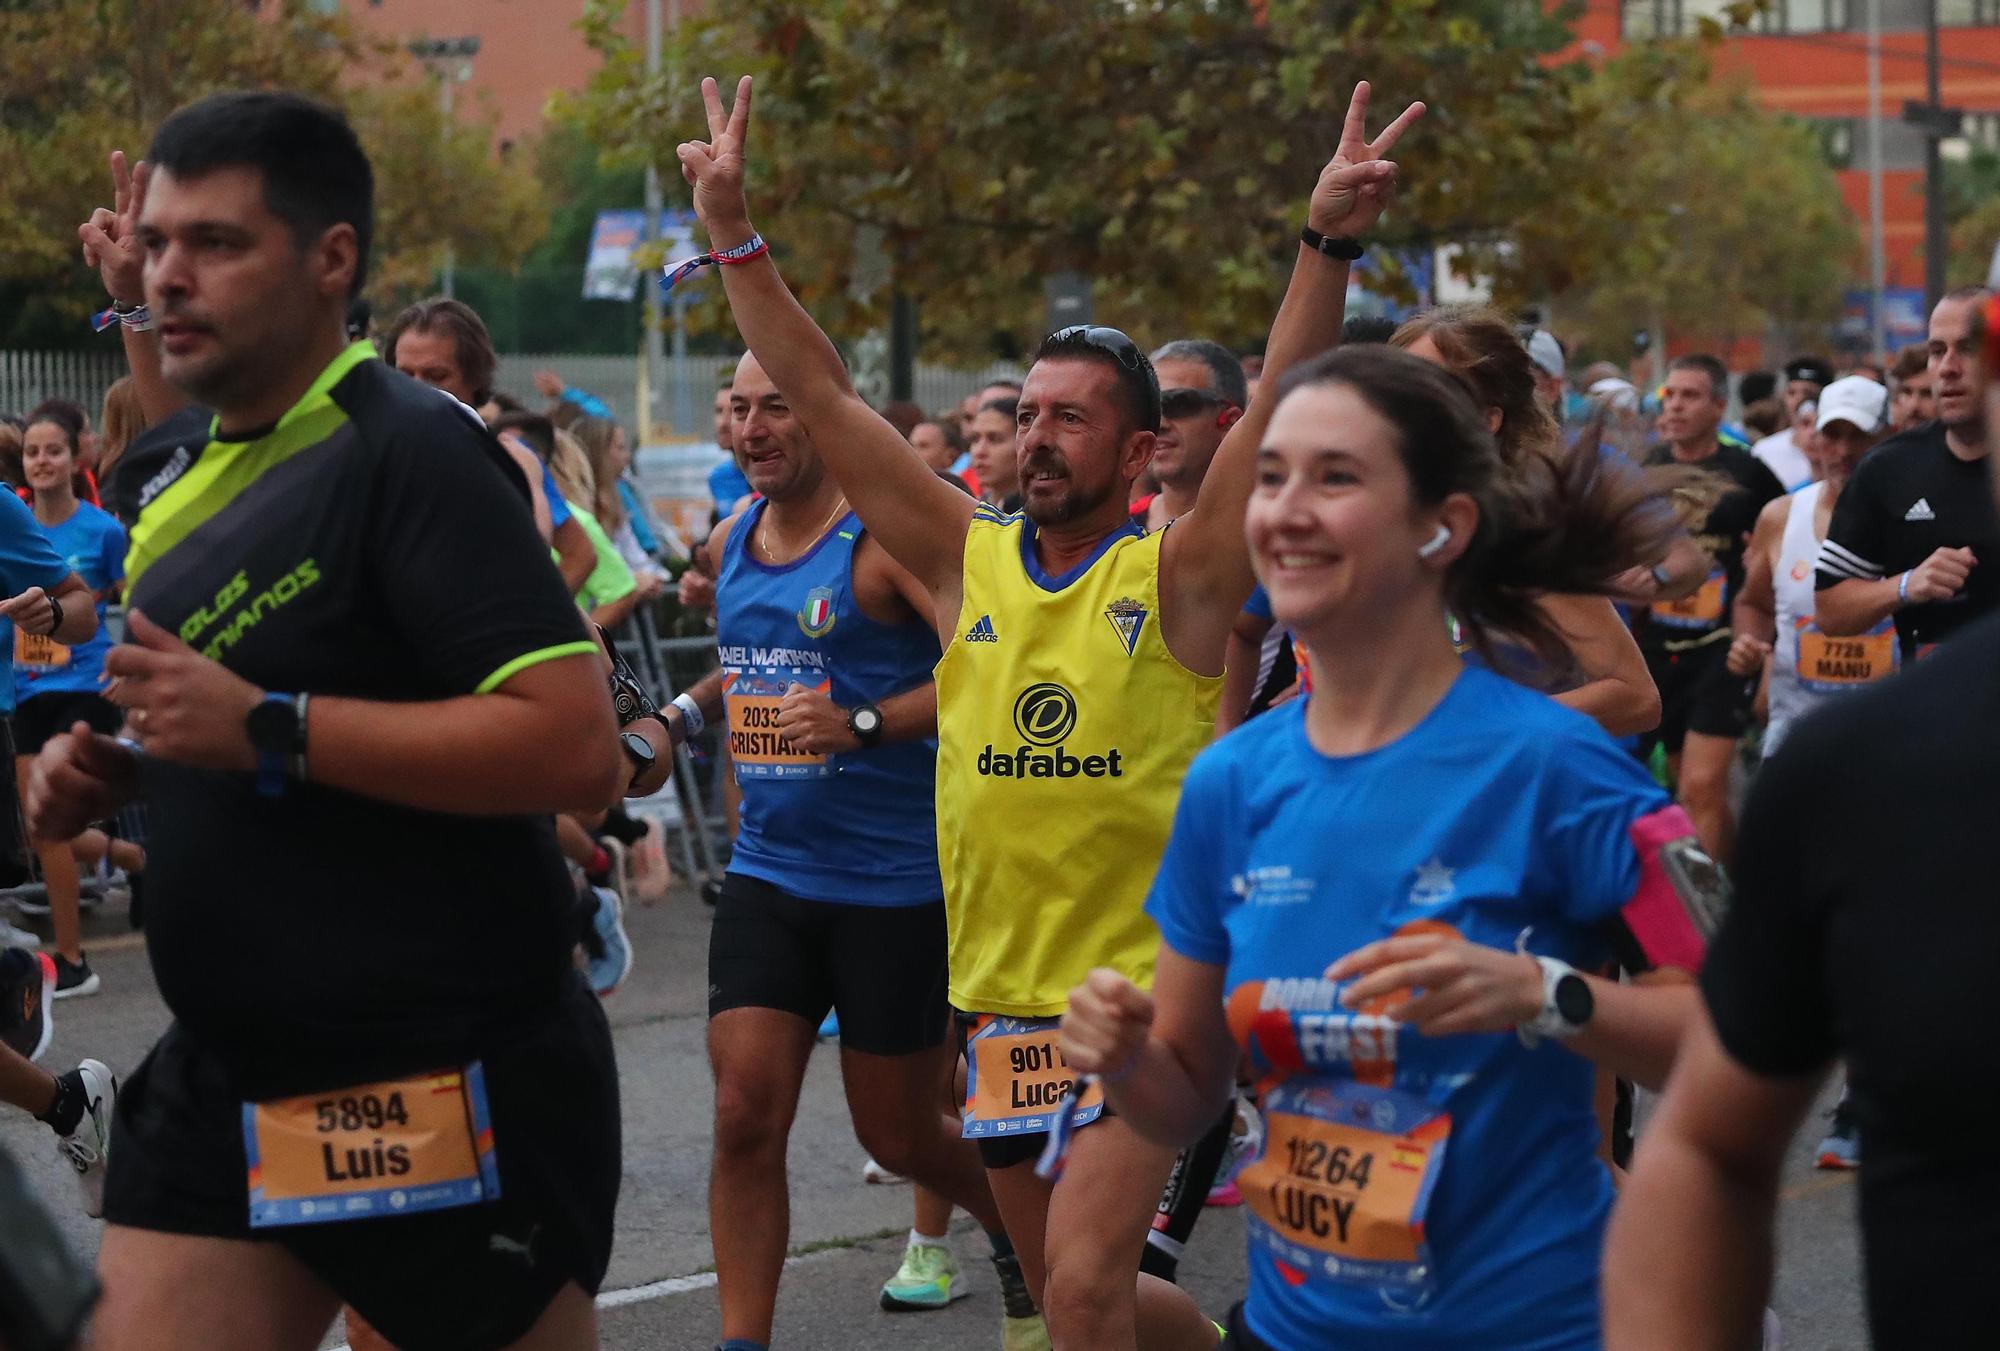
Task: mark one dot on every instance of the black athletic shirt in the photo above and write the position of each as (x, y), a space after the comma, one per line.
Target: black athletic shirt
(1745, 484)
(365, 546)
(1907, 499)
(1866, 928)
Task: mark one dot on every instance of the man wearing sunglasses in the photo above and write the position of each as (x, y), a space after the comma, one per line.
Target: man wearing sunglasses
(1203, 393)
(1082, 662)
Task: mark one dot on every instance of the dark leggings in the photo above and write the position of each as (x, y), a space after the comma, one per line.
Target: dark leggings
(1239, 1337)
(1187, 1191)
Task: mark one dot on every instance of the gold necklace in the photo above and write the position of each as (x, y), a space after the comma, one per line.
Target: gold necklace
(764, 541)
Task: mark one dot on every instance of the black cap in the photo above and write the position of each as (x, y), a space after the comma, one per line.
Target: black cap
(1817, 370)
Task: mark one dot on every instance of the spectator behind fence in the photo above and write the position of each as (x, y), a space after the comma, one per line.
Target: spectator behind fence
(606, 451)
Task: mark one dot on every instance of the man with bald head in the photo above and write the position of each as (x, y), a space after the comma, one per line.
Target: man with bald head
(832, 900)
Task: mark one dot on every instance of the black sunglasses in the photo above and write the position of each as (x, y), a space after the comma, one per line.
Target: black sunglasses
(1108, 340)
(1180, 403)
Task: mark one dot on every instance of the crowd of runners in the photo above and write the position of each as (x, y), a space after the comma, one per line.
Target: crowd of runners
(1309, 781)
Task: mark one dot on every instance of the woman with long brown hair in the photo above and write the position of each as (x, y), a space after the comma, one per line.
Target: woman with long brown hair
(1598, 668)
(1387, 897)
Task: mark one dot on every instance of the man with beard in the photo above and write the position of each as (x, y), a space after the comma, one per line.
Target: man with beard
(1082, 661)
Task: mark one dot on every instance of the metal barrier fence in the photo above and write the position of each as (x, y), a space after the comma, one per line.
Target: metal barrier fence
(27, 378)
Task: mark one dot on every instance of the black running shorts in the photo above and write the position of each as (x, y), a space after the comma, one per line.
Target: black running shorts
(39, 718)
(1698, 694)
(1238, 1336)
(473, 1278)
(880, 967)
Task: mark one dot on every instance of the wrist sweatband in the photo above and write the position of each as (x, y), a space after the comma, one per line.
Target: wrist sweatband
(690, 713)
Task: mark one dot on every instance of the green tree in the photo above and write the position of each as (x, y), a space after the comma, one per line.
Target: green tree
(1162, 147)
(79, 78)
(1972, 212)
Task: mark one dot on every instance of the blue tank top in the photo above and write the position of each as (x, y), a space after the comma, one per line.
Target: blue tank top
(861, 827)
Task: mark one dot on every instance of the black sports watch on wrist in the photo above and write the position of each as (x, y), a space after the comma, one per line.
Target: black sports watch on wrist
(1333, 246)
(639, 751)
(55, 616)
(277, 731)
(865, 721)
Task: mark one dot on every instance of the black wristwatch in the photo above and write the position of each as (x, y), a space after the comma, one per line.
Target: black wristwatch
(865, 721)
(639, 751)
(55, 615)
(277, 730)
(1333, 246)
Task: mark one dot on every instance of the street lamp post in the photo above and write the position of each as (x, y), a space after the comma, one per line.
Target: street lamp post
(450, 59)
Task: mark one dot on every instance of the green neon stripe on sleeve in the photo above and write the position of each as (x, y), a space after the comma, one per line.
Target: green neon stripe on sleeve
(536, 658)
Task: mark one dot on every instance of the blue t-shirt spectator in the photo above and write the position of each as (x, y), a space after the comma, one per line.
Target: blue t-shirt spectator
(26, 559)
(91, 544)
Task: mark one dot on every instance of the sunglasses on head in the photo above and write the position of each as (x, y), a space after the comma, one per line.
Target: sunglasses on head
(1180, 403)
(1107, 340)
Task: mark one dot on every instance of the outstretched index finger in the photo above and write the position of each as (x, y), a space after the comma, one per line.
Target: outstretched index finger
(711, 99)
(1354, 132)
(121, 183)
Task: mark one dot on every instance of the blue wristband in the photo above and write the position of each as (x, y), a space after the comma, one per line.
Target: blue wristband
(1903, 590)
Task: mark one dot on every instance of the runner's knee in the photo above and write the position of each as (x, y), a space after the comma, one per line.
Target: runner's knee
(749, 1120)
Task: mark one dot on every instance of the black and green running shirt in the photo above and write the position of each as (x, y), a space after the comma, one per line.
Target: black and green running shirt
(371, 544)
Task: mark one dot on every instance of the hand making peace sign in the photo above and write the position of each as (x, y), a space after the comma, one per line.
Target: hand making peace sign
(1358, 183)
(111, 235)
(715, 167)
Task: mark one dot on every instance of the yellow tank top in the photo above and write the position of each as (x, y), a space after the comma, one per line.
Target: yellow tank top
(1064, 730)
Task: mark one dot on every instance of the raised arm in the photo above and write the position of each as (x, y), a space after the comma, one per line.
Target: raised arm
(1206, 562)
(111, 245)
(919, 517)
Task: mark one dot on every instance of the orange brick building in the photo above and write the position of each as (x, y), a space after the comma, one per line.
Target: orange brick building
(1809, 58)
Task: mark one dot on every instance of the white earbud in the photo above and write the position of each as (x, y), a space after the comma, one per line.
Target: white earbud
(1437, 541)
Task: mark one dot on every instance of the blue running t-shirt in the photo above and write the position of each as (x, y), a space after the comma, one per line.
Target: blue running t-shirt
(92, 544)
(1502, 815)
(26, 559)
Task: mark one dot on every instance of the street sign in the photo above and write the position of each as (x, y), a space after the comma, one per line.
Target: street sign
(1943, 123)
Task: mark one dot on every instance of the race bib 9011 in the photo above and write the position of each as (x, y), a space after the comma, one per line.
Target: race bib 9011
(1016, 1078)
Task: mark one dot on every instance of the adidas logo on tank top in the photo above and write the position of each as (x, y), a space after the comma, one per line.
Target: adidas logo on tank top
(1921, 511)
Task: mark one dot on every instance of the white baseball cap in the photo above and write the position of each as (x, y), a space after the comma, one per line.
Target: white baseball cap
(1854, 399)
(1546, 352)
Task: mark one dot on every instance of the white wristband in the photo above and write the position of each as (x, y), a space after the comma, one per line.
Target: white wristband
(690, 714)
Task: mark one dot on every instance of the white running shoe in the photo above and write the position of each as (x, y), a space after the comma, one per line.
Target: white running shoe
(13, 937)
(872, 1171)
(88, 1148)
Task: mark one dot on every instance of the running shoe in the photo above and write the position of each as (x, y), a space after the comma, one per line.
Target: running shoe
(1021, 1325)
(609, 967)
(621, 866)
(27, 985)
(12, 937)
(928, 1279)
(87, 1149)
(1841, 1150)
(829, 1028)
(872, 1171)
(1224, 1196)
(1025, 1334)
(75, 979)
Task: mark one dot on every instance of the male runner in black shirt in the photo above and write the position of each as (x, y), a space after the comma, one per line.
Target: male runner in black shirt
(1860, 934)
(360, 690)
(1703, 708)
(1915, 534)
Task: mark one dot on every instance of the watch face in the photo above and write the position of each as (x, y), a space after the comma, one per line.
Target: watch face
(272, 725)
(1574, 1000)
(637, 747)
(867, 720)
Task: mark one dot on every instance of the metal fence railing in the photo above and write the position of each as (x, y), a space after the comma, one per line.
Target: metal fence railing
(27, 378)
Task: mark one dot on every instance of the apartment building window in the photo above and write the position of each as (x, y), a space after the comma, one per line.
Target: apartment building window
(1680, 18)
(1968, 13)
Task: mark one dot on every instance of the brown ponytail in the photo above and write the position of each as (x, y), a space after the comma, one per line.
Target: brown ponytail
(1563, 520)
(1481, 348)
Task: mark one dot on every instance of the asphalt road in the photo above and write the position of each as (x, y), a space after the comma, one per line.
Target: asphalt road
(846, 1236)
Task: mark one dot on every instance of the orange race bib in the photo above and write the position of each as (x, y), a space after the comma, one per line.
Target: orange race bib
(38, 650)
(391, 1148)
(1701, 610)
(1828, 664)
(1344, 1182)
(1015, 1079)
(756, 747)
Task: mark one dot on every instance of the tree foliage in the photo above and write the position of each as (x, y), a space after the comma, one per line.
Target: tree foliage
(1164, 149)
(79, 78)
(1972, 212)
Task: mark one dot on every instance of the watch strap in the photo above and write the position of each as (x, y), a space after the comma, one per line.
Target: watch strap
(1550, 1021)
(1333, 246)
